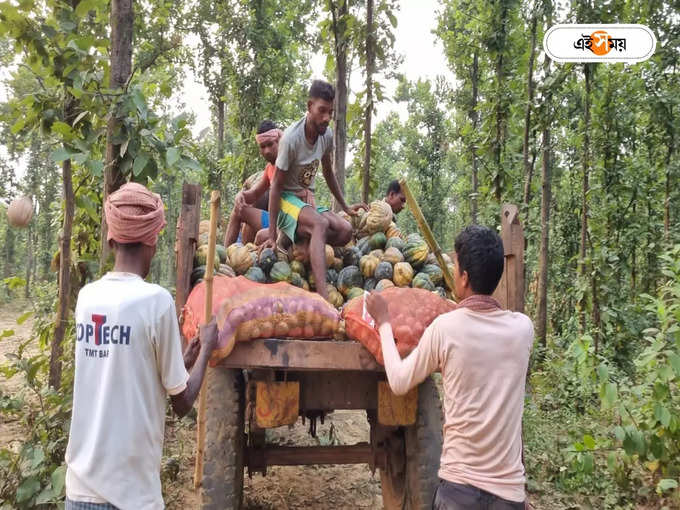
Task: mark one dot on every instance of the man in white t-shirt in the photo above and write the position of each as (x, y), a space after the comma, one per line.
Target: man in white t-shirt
(483, 355)
(128, 359)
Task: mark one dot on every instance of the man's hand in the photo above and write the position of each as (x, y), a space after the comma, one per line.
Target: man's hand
(353, 210)
(269, 243)
(239, 202)
(208, 336)
(190, 354)
(377, 307)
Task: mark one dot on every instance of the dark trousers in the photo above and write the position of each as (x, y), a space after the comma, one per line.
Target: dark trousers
(456, 496)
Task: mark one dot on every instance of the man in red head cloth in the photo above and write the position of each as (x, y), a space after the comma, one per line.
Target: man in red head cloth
(128, 360)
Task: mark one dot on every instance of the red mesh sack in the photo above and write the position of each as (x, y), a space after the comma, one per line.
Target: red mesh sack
(193, 313)
(411, 311)
(247, 310)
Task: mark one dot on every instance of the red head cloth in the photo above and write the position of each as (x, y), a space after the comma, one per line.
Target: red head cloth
(134, 215)
(272, 134)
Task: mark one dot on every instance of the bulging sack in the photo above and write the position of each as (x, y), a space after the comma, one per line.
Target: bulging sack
(411, 311)
(247, 310)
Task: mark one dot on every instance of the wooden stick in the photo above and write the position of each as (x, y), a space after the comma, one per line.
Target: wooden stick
(209, 266)
(427, 233)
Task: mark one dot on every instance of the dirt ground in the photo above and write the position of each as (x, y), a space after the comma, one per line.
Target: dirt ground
(285, 487)
(10, 430)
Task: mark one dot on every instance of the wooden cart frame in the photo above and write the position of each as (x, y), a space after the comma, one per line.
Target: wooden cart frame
(276, 380)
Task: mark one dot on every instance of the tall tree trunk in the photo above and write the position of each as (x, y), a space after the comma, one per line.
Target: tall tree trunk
(64, 265)
(8, 268)
(63, 307)
(340, 131)
(596, 305)
(667, 195)
(474, 117)
(370, 59)
(499, 142)
(30, 258)
(587, 71)
(220, 129)
(122, 20)
(529, 165)
(216, 173)
(546, 197)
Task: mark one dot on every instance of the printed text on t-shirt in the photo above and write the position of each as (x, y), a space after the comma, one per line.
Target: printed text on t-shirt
(98, 332)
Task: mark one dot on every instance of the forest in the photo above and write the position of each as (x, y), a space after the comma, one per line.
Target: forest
(590, 153)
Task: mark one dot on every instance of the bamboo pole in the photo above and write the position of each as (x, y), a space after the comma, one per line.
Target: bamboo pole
(427, 233)
(209, 270)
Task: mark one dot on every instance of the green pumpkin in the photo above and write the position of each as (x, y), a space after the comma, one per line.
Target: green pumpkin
(298, 267)
(441, 291)
(368, 263)
(267, 259)
(296, 279)
(281, 272)
(256, 274)
(383, 271)
(377, 241)
(354, 292)
(416, 251)
(352, 257)
(197, 274)
(434, 272)
(422, 281)
(332, 276)
(413, 238)
(222, 252)
(363, 245)
(349, 277)
(335, 298)
(201, 257)
(370, 283)
(395, 242)
(384, 284)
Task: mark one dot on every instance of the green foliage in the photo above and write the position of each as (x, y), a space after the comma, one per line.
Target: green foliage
(32, 471)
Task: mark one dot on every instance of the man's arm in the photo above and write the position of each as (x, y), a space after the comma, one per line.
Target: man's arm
(274, 205)
(403, 374)
(184, 401)
(253, 194)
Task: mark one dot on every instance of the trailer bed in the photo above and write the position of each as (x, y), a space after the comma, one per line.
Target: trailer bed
(275, 353)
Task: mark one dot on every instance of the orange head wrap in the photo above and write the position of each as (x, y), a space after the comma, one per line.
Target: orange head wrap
(134, 215)
(273, 134)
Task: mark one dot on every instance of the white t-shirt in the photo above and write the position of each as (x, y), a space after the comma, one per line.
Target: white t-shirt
(128, 359)
(298, 159)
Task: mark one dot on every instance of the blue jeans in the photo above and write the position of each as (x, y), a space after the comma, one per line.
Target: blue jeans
(456, 496)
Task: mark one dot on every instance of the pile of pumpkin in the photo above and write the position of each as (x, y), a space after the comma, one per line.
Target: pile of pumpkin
(379, 257)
